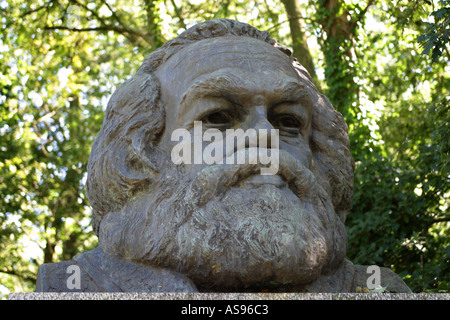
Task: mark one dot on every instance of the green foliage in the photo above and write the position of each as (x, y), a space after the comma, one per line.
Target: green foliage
(396, 104)
(400, 217)
(61, 61)
(437, 33)
(54, 85)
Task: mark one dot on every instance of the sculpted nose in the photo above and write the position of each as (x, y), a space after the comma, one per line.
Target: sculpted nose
(258, 118)
(260, 123)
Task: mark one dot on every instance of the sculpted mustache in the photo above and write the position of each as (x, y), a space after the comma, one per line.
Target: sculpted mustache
(214, 180)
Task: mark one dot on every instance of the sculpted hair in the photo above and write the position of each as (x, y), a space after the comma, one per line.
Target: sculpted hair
(125, 159)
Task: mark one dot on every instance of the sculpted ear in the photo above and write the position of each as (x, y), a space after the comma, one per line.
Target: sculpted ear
(123, 158)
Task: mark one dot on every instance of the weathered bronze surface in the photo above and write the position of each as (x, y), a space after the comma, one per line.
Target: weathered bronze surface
(166, 227)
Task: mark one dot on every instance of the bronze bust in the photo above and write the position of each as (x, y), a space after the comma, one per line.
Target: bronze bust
(219, 227)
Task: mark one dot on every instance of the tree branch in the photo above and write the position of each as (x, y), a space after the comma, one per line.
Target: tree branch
(369, 4)
(14, 273)
(85, 7)
(362, 14)
(290, 19)
(128, 33)
(102, 28)
(437, 221)
(33, 10)
(178, 14)
(430, 223)
(25, 14)
(114, 14)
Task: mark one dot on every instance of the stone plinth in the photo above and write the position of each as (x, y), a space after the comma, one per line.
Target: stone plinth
(226, 296)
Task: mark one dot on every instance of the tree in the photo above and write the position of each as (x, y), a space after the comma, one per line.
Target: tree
(299, 39)
(62, 60)
(400, 216)
(55, 78)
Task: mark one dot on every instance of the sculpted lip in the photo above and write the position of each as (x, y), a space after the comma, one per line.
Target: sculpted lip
(255, 180)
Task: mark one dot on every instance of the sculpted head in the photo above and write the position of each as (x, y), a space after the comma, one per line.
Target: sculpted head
(225, 226)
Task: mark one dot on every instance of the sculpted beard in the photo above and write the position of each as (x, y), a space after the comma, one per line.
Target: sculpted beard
(229, 237)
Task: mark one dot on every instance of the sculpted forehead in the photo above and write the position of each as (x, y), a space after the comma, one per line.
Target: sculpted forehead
(242, 53)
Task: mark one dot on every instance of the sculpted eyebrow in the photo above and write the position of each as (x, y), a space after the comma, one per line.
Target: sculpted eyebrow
(230, 86)
(220, 85)
(212, 86)
(290, 90)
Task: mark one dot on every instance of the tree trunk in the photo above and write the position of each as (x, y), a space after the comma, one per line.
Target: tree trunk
(155, 36)
(339, 52)
(338, 49)
(49, 251)
(299, 39)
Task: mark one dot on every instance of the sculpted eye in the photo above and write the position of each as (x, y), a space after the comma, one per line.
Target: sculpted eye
(218, 119)
(288, 123)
